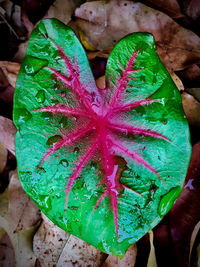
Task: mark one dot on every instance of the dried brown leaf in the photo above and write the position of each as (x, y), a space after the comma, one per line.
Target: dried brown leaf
(192, 109)
(3, 157)
(54, 246)
(170, 7)
(152, 256)
(49, 242)
(21, 241)
(104, 23)
(101, 82)
(63, 9)
(177, 81)
(11, 70)
(22, 210)
(79, 253)
(7, 134)
(127, 261)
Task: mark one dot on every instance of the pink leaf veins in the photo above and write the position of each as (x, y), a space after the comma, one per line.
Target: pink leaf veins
(104, 131)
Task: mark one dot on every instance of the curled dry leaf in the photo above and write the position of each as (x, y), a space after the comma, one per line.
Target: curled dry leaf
(3, 157)
(127, 261)
(193, 237)
(23, 213)
(192, 109)
(22, 241)
(10, 69)
(152, 257)
(54, 246)
(104, 23)
(7, 134)
(177, 81)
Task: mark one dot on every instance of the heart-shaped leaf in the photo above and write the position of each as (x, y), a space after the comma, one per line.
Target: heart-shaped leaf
(104, 165)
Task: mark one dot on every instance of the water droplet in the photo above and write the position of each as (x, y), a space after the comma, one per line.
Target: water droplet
(76, 150)
(47, 115)
(45, 202)
(40, 170)
(167, 200)
(55, 101)
(40, 96)
(53, 139)
(33, 65)
(22, 115)
(63, 122)
(43, 30)
(64, 163)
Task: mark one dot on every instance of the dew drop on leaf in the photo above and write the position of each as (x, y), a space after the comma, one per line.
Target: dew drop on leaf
(46, 202)
(53, 139)
(64, 163)
(40, 96)
(167, 200)
(76, 150)
(33, 65)
(22, 115)
(40, 170)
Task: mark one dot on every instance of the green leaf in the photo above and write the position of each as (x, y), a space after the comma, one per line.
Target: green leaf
(104, 165)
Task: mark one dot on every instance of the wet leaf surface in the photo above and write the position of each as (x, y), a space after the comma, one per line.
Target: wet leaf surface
(94, 150)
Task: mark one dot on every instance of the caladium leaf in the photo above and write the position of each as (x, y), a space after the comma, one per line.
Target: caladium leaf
(104, 165)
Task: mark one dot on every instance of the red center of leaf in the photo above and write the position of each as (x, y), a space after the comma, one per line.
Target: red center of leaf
(106, 139)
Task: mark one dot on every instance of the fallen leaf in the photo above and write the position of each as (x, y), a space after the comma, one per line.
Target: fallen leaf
(193, 238)
(20, 54)
(22, 241)
(54, 246)
(190, 76)
(48, 242)
(191, 8)
(7, 134)
(127, 261)
(192, 109)
(170, 7)
(177, 81)
(195, 92)
(79, 253)
(104, 53)
(152, 257)
(11, 70)
(63, 9)
(101, 82)
(104, 23)
(3, 157)
(7, 256)
(23, 212)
